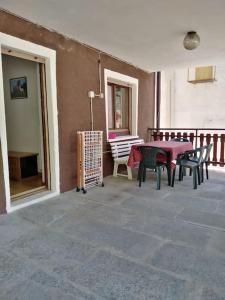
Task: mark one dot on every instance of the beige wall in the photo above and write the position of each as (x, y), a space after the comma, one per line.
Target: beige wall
(192, 105)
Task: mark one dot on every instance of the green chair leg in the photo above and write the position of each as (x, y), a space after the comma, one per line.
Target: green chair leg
(202, 172)
(144, 174)
(138, 177)
(173, 177)
(169, 175)
(140, 174)
(180, 173)
(207, 171)
(199, 177)
(158, 175)
(194, 178)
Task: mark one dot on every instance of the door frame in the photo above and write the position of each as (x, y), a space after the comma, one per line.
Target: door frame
(49, 56)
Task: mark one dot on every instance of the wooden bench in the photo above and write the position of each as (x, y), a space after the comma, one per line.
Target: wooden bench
(120, 154)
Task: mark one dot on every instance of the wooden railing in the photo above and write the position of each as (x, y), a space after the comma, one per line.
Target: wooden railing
(198, 137)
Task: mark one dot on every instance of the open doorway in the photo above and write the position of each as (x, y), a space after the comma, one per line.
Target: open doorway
(46, 59)
(26, 126)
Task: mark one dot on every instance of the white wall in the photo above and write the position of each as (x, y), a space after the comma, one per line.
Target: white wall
(22, 115)
(192, 105)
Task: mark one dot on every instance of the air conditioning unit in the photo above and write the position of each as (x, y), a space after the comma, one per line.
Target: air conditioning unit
(202, 74)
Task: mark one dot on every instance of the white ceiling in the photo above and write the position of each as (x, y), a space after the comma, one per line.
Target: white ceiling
(147, 33)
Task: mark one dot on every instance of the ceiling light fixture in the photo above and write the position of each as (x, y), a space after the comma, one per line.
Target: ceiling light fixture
(191, 40)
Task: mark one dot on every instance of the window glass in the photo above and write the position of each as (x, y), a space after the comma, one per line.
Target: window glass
(118, 107)
(121, 107)
(110, 107)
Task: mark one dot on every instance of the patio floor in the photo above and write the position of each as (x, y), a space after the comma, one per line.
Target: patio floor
(118, 242)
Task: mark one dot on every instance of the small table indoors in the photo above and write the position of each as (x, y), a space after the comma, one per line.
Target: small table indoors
(22, 165)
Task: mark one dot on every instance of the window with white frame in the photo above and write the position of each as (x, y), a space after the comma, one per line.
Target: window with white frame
(118, 107)
(121, 102)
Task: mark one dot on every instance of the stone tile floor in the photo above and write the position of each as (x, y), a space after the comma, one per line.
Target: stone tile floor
(118, 242)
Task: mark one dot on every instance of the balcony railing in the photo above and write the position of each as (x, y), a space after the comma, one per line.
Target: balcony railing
(198, 137)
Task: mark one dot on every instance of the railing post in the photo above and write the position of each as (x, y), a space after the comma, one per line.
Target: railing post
(166, 136)
(192, 137)
(222, 141)
(161, 135)
(215, 139)
(155, 135)
(196, 138)
(201, 139)
(185, 135)
(208, 139)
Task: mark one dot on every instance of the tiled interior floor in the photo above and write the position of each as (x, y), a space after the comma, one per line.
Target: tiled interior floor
(26, 185)
(118, 242)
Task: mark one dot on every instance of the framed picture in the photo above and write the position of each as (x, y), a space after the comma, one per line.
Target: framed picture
(18, 88)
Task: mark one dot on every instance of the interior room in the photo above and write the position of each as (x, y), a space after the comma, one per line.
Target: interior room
(23, 125)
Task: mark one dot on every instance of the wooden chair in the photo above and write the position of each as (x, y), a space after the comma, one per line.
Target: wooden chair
(120, 154)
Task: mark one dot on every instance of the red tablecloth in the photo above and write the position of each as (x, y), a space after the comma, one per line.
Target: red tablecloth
(174, 148)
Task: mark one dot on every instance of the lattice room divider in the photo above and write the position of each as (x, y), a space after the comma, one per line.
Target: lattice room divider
(89, 160)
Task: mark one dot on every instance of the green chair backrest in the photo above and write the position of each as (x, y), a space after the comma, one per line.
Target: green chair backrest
(207, 151)
(180, 139)
(149, 156)
(198, 154)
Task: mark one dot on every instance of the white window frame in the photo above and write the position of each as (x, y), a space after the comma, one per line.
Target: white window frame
(118, 78)
(49, 55)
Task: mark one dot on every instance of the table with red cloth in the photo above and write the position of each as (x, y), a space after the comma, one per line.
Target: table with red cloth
(174, 148)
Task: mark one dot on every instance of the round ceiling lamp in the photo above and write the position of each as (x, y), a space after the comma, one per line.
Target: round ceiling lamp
(191, 40)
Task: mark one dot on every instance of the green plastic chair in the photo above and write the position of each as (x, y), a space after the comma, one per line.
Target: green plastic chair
(205, 162)
(192, 160)
(150, 160)
(180, 139)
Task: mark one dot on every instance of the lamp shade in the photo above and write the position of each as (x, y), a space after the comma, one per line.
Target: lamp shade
(191, 40)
